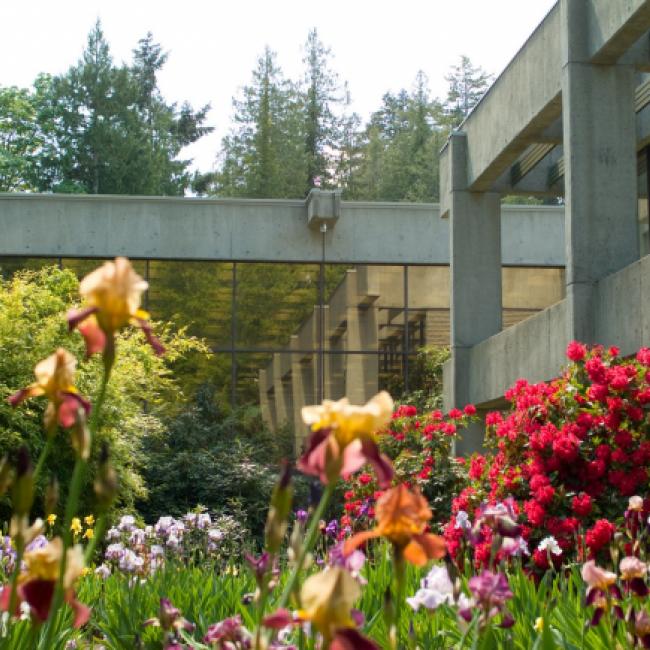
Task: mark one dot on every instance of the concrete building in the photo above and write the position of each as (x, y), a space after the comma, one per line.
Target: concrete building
(569, 115)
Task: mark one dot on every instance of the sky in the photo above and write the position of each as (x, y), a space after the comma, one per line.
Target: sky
(377, 45)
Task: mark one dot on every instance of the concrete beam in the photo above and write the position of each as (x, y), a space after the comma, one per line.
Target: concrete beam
(510, 116)
(55, 225)
(515, 118)
(614, 27)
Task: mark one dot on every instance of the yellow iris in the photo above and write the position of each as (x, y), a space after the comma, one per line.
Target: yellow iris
(327, 599)
(75, 526)
(347, 421)
(115, 289)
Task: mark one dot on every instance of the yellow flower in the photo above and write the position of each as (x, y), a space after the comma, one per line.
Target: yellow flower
(349, 422)
(539, 624)
(75, 526)
(89, 534)
(343, 439)
(86, 571)
(115, 289)
(55, 380)
(327, 599)
(51, 519)
(89, 520)
(113, 294)
(43, 563)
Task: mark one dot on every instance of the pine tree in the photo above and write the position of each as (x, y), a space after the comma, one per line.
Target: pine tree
(322, 125)
(107, 129)
(400, 155)
(467, 84)
(261, 156)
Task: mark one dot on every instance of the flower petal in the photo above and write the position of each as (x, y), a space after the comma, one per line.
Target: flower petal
(357, 540)
(69, 407)
(157, 346)
(76, 316)
(94, 336)
(38, 594)
(380, 463)
(25, 393)
(350, 639)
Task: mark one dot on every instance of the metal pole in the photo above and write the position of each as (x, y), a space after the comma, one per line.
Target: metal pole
(321, 319)
(233, 339)
(405, 346)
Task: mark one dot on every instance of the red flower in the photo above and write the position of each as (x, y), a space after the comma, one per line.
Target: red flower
(576, 351)
(535, 512)
(582, 505)
(470, 410)
(600, 535)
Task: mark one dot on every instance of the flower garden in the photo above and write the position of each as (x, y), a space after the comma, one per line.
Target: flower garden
(539, 543)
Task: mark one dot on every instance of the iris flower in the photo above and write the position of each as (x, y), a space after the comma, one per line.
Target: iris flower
(402, 517)
(113, 294)
(327, 602)
(55, 380)
(343, 439)
(36, 584)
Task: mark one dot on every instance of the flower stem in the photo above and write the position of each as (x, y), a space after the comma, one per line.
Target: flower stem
(43, 455)
(13, 596)
(76, 483)
(308, 545)
(20, 546)
(400, 585)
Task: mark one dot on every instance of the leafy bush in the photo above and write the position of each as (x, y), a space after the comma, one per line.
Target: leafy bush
(31, 326)
(226, 462)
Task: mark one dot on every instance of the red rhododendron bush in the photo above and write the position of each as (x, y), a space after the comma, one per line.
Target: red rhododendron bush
(569, 458)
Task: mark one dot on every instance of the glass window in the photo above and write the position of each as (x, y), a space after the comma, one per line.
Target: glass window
(272, 303)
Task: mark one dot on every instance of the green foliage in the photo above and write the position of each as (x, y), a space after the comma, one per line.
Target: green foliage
(121, 605)
(106, 129)
(399, 159)
(425, 378)
(32, 326)
(19, 139)
(228, 463)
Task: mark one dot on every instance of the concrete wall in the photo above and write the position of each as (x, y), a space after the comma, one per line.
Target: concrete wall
(534, 349)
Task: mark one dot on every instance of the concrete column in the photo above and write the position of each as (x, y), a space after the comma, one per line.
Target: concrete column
(283, 405)
(475, 267)
(599, 169)
(362, 372)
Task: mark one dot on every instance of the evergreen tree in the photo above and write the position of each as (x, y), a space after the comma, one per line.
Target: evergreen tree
(467, 84)
(321, 96)
(261, 156)
(107, 129)
(400, 155)
(351, 150)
